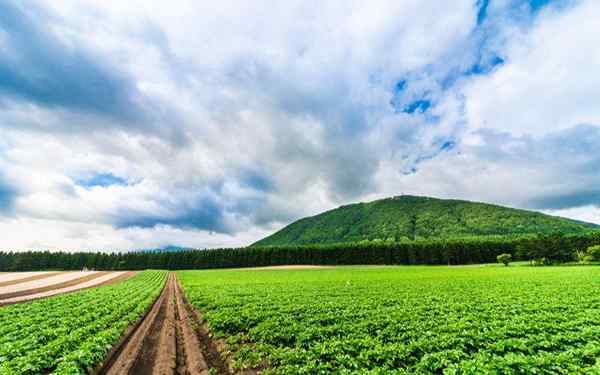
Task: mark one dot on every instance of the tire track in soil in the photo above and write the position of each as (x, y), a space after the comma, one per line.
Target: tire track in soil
(166, 342)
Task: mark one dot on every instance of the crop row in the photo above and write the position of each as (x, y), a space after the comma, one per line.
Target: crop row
(405, 319)
(70, 334)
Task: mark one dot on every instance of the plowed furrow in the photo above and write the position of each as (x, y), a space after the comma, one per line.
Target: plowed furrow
(194, 360)
(166, 342)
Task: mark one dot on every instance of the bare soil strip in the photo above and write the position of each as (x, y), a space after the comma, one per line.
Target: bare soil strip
(10, 276)
(29, 278)
(52, 280)
(46, 288)
(121, 359)
(109, 278)
(167, 341)
(190, 344)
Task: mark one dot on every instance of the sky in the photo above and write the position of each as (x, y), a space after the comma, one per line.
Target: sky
(137, 124)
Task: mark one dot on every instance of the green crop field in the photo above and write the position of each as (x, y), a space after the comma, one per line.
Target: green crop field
(72, 333)
(384, 320)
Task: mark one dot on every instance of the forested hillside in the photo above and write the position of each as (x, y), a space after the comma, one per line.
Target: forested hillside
(410, 217)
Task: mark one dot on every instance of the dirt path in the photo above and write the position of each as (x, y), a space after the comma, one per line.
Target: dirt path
(165, 341)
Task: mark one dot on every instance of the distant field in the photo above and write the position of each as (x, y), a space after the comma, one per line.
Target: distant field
(24, 286)
(405, 319)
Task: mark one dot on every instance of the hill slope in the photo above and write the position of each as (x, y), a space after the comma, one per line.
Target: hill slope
(411, 217)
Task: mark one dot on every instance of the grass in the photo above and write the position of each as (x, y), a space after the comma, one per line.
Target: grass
(490, 319)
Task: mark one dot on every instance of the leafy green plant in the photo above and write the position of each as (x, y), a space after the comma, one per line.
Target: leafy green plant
(69, 334)
(451, 320)
(594, 252)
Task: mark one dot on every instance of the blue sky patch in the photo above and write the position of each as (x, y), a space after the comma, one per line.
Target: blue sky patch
(482, 13)
(485, 67)
(7, 196)
(421, 106)
(103, 180)
(400, 86)
(448, 145)
(537, 5)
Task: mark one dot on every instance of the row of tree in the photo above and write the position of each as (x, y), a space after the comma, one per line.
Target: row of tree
(550, 248)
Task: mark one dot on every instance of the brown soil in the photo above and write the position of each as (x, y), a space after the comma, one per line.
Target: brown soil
(30, 278)
(66, 284)
(168, 339)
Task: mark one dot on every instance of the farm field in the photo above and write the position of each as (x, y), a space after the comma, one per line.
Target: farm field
(413, 319)
(73, 333)
(24, 286)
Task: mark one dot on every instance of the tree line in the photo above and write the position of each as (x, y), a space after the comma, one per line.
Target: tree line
(541, 248)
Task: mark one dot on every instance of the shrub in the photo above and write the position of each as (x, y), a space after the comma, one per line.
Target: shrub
(582, 256)
(504, 259)
(594, 252)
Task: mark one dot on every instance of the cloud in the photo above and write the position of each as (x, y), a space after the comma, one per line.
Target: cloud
(139, 125)
(555, 172)
(200, 213)
(549, 79)
(51, 80)
(38, 67)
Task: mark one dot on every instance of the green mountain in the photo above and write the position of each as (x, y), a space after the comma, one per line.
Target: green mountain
(410, 217)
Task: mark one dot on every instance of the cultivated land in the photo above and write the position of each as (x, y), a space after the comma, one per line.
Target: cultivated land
(167, 340)
(73, 333)
(142, 325)
(404, 319)
(312, 320)
(25, 286)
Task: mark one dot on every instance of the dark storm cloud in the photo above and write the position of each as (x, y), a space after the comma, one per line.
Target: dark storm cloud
(209, 208)
(37, 67)
(568, 200)
(203, 212)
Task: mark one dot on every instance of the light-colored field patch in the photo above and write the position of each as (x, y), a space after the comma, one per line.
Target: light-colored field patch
(45, 282)
(30, 278)
(111, 276)
(12, 276)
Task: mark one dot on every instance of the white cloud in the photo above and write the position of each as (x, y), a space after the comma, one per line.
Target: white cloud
(550, 80)
(244, 116)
